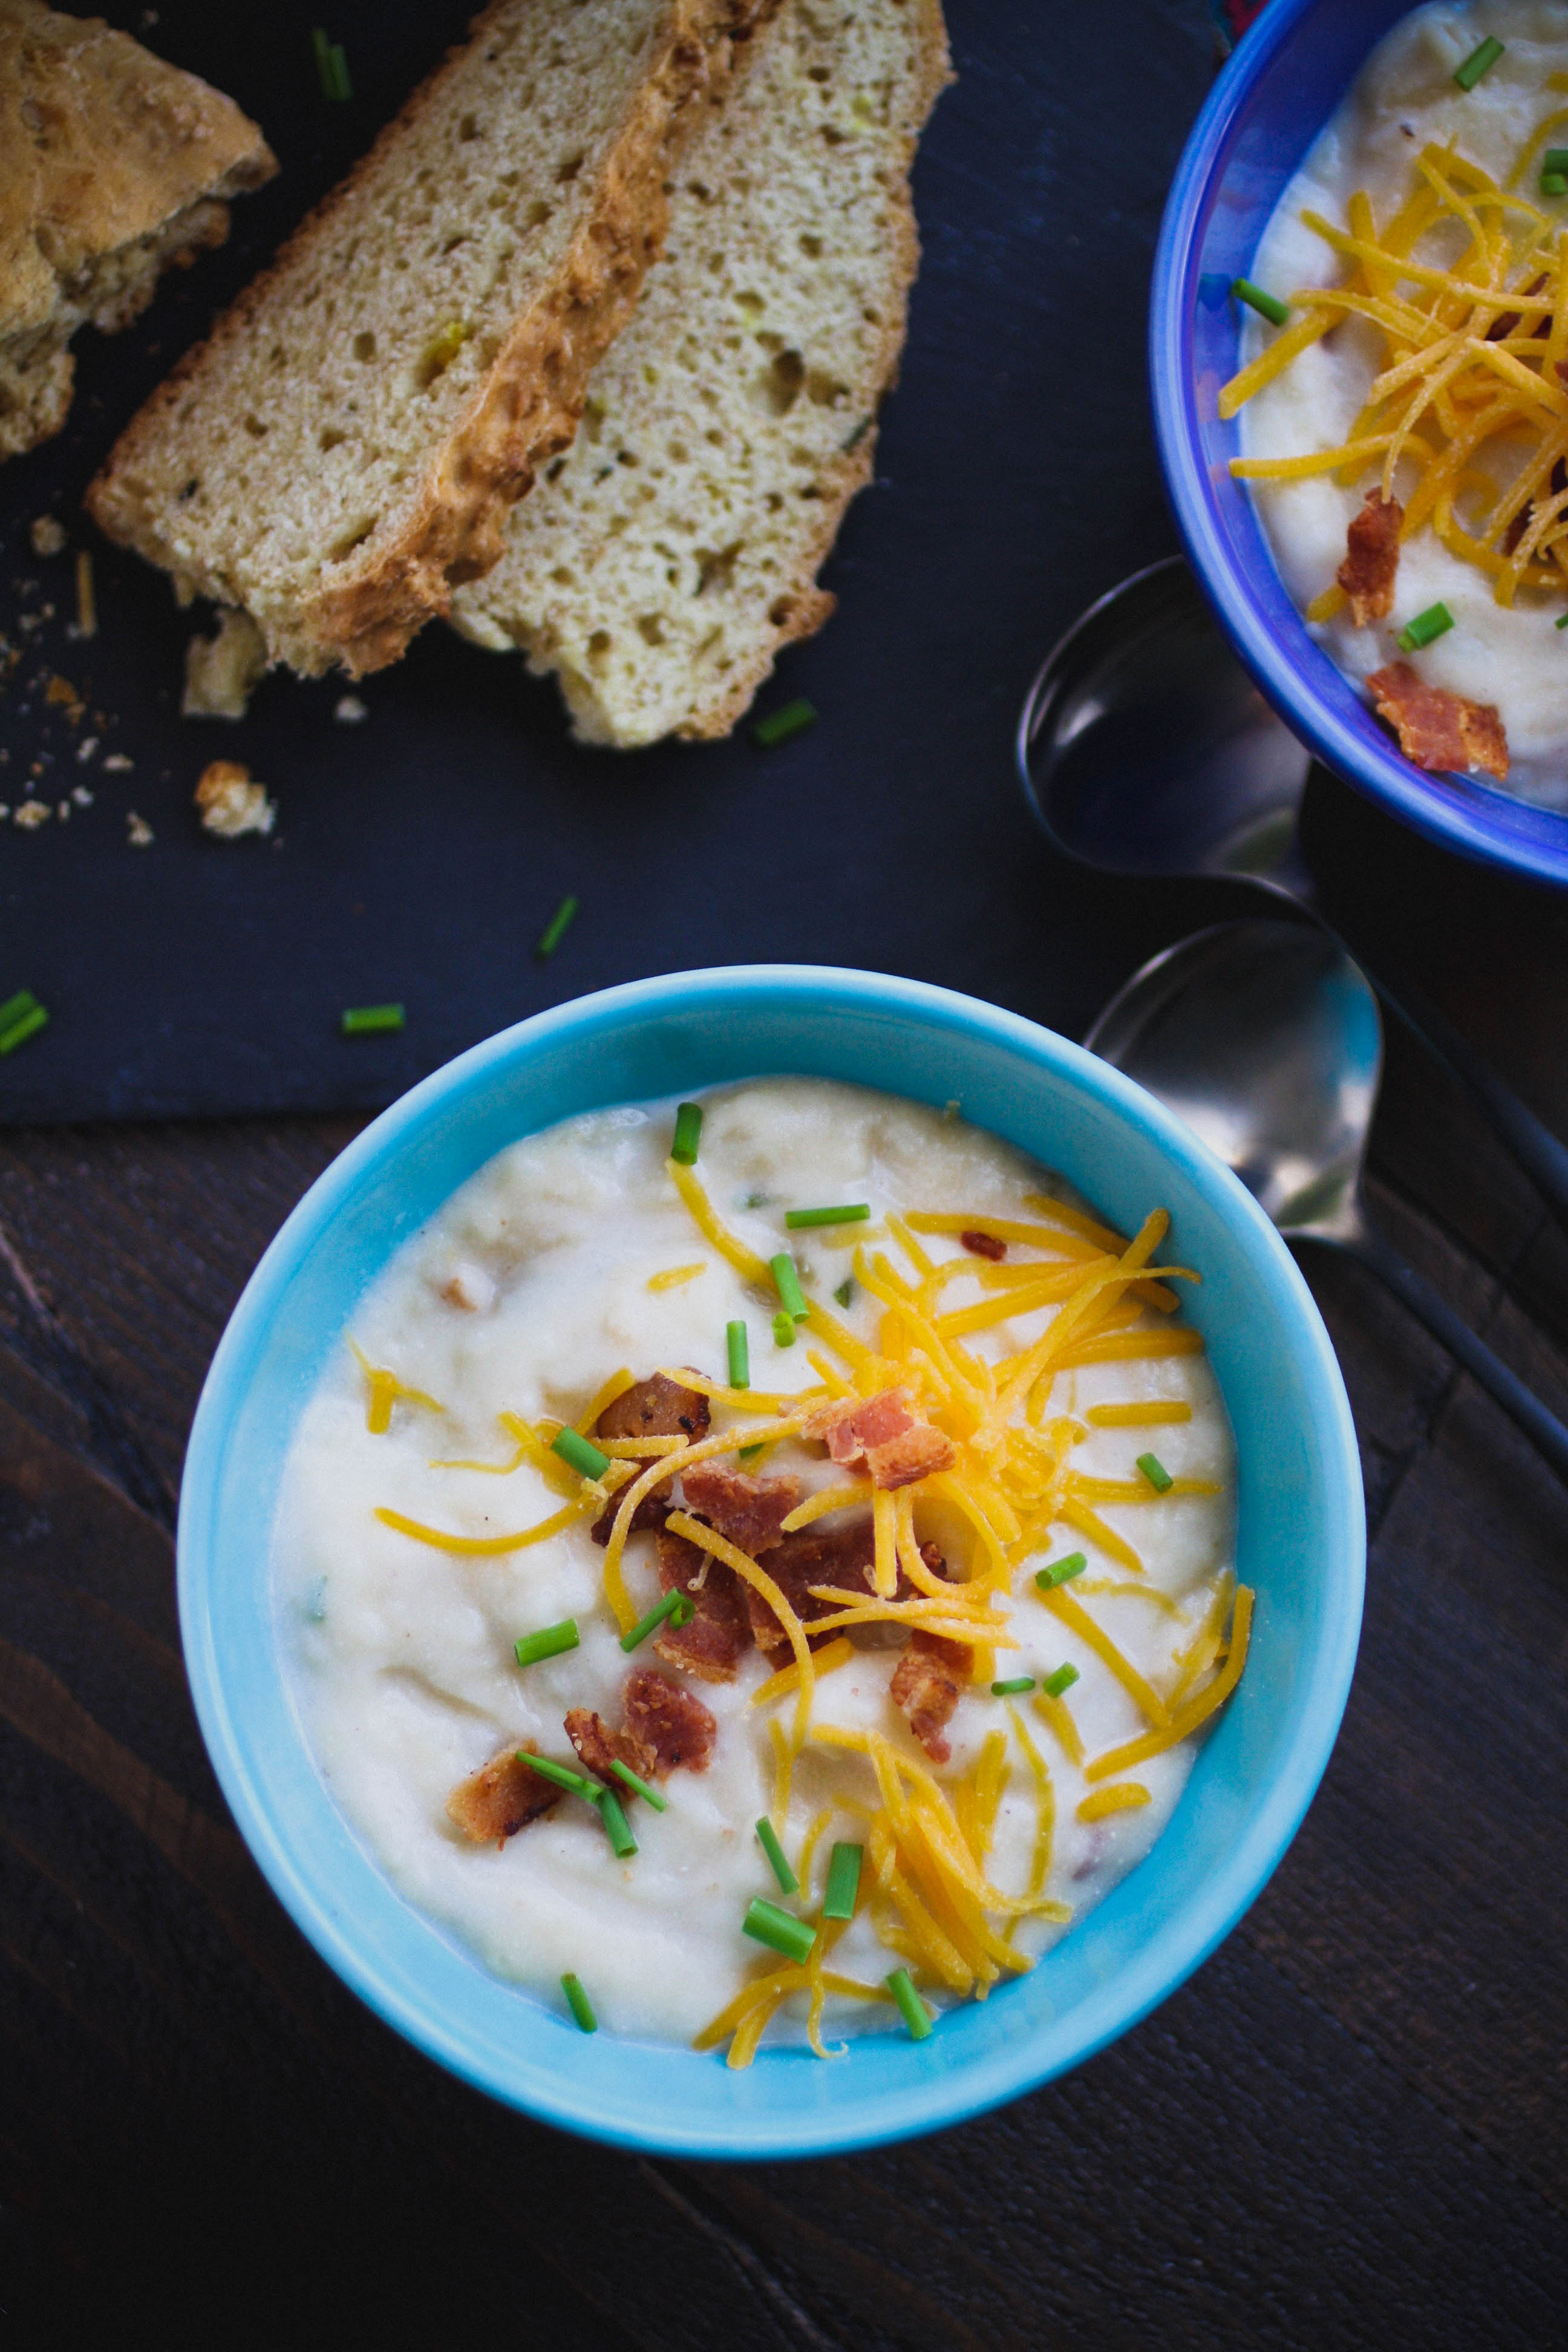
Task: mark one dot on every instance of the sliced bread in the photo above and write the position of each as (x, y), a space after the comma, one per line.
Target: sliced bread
(112, 165)
(347, 444)
(658, 566)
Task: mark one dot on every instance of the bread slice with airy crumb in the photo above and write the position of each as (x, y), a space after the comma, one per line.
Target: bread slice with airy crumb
(658, 567)
(112, 166)
(347, 444)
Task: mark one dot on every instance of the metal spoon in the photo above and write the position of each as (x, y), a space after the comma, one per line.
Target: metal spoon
(1265, 1038)
(1145, 749)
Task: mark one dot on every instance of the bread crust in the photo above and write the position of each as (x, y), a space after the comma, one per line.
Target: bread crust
(528, 405)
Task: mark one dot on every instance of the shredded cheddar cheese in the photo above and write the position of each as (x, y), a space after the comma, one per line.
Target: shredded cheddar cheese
(1124, 1797)
(385, 1390)
(675, 1276)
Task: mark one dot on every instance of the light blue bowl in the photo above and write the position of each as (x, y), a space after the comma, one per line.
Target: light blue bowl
(1301, 1545)
(1285, 79)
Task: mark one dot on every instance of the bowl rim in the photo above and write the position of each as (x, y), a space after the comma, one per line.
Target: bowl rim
(936, 2100)
(1523, 837)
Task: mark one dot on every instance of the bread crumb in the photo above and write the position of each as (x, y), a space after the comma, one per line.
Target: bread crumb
(31, 815)
(230, 803)
(221, 671)
(350, 710)
(62, 693)
(81, 796)
(117, 764)
(86, 747)
(47, 536)
(138, 831)
(62, 810)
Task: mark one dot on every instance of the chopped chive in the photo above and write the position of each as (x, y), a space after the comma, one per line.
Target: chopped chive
(1057, 1572)
(1554, 183)
(371, 1020)
(613, 1813)
(738, 1341)
(578, 1783)
(1012, 1685)
(342, 88)
(578, 2003)
(14, 1007)
(779, 1928)
(16, 1032)
(793, 719)
(550, 1641)
(842, 1882)
(556, 929)
(322, 49)
(676, 1607)
(788, 1283)
(911, 2008)
(688, 1134)
(1563, 623)
(1062, 1680)
(1479, 62)
(768, 1840)
(846, 1290)
(783, 1329)
(750, 1452)
(642, 1788)
(1555, 160)
(1268, 306)
(851, 1215)
(1434, 623)
(574, 1448)
(1155, 1471)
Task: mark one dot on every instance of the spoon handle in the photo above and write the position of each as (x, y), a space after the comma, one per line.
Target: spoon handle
(1523, 1407)
(1538, 1151)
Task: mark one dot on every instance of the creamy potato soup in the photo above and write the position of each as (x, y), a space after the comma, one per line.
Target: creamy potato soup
(1406, 425)
(762, 1564)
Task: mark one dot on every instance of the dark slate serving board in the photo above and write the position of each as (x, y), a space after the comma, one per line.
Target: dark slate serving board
(419, 854)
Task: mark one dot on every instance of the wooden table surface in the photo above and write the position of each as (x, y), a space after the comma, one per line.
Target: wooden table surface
(1349, 2128)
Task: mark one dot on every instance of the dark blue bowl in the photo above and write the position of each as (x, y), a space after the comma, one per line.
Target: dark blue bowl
(1268, 105)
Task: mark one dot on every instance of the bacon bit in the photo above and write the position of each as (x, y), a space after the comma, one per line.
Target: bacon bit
(811, 1556)
(501, 1798)
(676, 1725)
(984, 1246)
(1371, 558)
(926, 1684)
(598, 1747)
(897, 1445)
(749, 1511)
(657, 1407)
(1438, 731)
(712, 1644)
(1508, 322)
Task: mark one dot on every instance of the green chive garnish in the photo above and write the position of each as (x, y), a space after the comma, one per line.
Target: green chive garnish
(784, 1332)
(1434, 622)
(562, 1775)
(767, 1839)
(780, 1929)
(639, 1787)
(846, 1290)
(1563, 623)
(1479, 62)
(21, 1017)
(574, 1449)
(846, 1216)
(613, 1813)
(1012, 1685)
(1155, 1471)
(1073, 1563)
(1062, 1680)
(1554, 183)
(788, 1283)
(842, 1882)
(578, 2003)
(371, 1020)
(793, 719)
(688, 1134)
(1555, 160)
(750, 1452)
(1268, 306)
(738, 1342)
(676, 1607)
(911, 2008)
(342, 88)
(555, 930)
(550, 1641)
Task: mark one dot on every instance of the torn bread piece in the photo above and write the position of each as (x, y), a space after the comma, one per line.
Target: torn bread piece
(658, 568)
(113, 165)
(346, 444)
